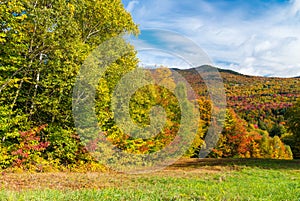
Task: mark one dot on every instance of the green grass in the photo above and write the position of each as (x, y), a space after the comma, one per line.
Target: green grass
(216, 180)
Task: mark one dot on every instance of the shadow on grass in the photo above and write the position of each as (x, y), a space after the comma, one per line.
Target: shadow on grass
(259, 163)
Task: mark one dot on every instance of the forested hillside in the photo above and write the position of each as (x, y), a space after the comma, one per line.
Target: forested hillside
(260, 102)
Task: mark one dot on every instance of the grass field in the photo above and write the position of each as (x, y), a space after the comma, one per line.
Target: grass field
(188, 179)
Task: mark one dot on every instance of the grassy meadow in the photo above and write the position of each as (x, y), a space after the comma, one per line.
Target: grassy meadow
(188, 179)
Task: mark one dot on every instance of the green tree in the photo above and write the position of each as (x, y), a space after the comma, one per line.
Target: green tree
(277, 130)
(293, 123)
(42, 46)
(231, 140)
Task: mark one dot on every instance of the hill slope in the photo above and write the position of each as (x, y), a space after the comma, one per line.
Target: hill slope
(258, 100)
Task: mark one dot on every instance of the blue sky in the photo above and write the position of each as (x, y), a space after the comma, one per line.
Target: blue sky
(255, 37)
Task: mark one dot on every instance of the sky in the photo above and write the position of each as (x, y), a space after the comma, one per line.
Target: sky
(255, 37)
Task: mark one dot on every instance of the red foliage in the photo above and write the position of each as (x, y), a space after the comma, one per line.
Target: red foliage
(29, 144)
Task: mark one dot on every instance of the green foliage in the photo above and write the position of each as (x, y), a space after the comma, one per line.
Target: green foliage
(6, 158)
(277, 130)
(293, 116)
(293, 123)
(42, 46)
(64, 147)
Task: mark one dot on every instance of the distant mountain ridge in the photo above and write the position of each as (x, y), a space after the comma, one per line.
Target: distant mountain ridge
(230, 78)
(221, 70)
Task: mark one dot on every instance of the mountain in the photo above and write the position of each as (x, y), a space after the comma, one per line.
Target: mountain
(243, 84)
(258, 100)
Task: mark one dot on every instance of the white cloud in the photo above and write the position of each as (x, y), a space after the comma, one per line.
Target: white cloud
(131, 5)
(264, 43)
(148, 58)
(295, 7)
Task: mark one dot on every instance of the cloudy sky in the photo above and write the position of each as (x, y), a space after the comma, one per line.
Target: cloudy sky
(256, 37)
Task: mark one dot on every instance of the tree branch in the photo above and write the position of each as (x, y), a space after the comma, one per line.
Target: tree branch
(9, 79)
